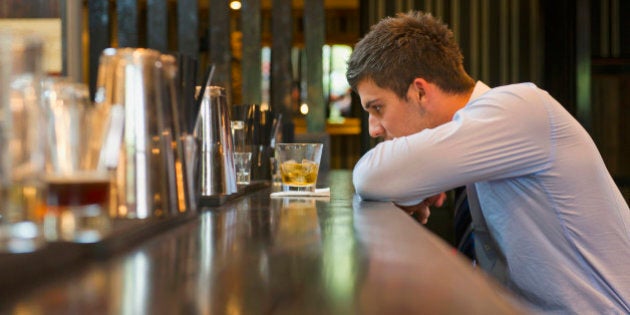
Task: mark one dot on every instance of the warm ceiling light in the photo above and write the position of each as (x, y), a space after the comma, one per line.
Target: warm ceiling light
(235, 5)
(304, 109)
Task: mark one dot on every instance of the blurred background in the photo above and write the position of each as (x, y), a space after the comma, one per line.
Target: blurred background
(291, 55)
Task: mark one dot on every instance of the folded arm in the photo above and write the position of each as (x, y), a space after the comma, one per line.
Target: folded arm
(485, 142)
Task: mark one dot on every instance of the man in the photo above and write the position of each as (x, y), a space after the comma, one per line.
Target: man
(550, 224)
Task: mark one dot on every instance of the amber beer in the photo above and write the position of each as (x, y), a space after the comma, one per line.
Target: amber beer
(77, 190)
(78, 206)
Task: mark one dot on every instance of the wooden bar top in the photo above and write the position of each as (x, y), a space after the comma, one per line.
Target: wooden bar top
(262, 255)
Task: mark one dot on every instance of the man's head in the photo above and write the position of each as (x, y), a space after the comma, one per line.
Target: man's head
(408, 71)
(399, 49)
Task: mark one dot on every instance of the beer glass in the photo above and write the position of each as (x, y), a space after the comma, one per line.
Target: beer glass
(22, 142)
(78, 190)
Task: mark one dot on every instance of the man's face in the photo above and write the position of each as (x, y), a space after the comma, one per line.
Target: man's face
(389, 116)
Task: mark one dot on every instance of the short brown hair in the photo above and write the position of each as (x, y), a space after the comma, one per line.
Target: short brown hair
(399, 49)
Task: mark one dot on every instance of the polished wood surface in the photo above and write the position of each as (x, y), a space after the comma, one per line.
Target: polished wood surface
(257, 255)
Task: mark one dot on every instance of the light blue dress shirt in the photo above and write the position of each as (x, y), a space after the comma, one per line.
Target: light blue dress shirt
(550, 223)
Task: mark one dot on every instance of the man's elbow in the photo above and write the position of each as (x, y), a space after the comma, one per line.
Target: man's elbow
(366, 189)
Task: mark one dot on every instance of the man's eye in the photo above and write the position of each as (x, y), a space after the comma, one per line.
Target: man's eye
(377, 108)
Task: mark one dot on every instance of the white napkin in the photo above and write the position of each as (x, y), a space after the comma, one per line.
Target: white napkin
(319, 192)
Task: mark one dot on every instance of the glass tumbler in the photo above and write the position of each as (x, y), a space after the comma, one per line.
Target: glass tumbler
(22, 141)
(299, 165)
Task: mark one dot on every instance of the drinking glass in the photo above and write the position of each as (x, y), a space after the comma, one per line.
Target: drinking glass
(22, 141)
(276, 177)
(299, 165)
(78, 188)
(243, 165)
(243, 151)
(242, 141)
(252, 131)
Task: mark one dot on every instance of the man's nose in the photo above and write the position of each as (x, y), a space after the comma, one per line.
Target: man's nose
(375, 128)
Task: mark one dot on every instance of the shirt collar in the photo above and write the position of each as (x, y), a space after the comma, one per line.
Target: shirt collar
(480, 89)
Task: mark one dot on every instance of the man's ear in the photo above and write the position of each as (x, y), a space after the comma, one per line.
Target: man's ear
(420, 88)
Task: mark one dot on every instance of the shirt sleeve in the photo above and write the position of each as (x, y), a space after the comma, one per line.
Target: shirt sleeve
(504, 133)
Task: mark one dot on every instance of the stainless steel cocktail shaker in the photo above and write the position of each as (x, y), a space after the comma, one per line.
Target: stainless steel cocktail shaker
(218, 175)
(136, 85)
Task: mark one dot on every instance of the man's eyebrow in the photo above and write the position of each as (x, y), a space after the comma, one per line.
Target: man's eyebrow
(369, 104)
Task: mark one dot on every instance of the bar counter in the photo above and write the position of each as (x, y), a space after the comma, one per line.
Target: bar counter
(262, 255)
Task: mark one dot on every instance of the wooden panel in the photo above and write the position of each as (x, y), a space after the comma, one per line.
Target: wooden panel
(390, 8)
(127, 19)
(157, 21)
(583, 107)
(418, 5)
(463, 34)
(15, 9)
(521, 53)
(606, 101)
(219, 49)
(314, 29)
(251, 57)
(447, 12)
(599, 28)
(504, 48)
(623, 26)
(281, 74)
(493, 61)
(99, 36)
(489, 35)
(560, 25)
(187, 27)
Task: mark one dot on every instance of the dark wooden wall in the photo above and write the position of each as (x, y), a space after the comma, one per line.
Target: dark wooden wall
(610, 85)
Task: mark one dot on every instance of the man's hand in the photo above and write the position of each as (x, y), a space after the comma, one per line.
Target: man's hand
(422, 210)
